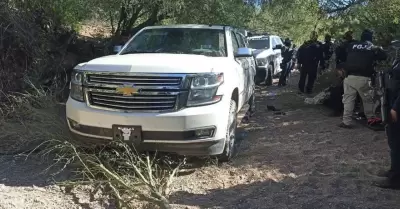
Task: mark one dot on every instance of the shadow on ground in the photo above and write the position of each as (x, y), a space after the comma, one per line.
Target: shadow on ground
(22, 171)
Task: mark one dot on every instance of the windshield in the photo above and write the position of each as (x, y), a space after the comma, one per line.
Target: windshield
(208, 42)
(259, 43)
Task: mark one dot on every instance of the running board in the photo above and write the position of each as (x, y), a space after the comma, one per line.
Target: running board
(242, 113)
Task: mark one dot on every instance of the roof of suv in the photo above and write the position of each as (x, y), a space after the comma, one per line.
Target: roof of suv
(221, 27)
(263, 36)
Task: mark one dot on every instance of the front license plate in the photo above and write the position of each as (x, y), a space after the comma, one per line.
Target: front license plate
(130, 134)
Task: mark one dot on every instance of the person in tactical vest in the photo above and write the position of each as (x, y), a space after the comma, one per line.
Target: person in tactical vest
(392, 180)
(359, 68)
(287, 62)
(309, 57)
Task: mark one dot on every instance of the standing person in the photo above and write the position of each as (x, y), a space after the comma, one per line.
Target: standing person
(327, 49)
(392, 180)
(359, 67)
(341, 50)
(287, 62)
(309, 56)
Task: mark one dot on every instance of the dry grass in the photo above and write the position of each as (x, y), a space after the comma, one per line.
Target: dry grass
(31, 122)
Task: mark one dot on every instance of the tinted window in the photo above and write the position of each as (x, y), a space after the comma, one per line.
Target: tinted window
(208, 42)
(261, 43)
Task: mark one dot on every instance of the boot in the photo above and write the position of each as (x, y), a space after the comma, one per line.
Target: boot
(385, 173)
(342, 125)
(389, 183)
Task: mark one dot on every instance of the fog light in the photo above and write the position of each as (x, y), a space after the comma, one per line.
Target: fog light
(74, 124)
(209, 132)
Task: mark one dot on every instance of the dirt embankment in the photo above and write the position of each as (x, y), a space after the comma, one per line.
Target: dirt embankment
(297, 160)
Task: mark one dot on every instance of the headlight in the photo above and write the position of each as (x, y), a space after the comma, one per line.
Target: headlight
(261, 61)
(204, 88)
(76, 88)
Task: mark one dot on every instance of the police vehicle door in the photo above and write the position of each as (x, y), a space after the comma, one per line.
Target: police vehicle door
(241, 65)
(249, 67)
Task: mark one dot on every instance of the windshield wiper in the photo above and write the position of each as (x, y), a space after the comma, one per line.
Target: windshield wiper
(138, 52)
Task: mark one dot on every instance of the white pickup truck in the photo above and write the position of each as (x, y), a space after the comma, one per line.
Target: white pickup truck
(175, 88)
(268, 54)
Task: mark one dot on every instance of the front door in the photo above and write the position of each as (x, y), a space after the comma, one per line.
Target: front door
(248, 68)
(250, 71)
(241, 66)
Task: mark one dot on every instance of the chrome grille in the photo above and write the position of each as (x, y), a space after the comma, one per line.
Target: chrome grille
(134, 79)
(157, 92)
(135, 102)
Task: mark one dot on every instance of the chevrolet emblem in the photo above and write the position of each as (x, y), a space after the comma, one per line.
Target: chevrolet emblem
(127, 90)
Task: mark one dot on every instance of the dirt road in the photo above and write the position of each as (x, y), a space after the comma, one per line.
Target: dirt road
(298, 160)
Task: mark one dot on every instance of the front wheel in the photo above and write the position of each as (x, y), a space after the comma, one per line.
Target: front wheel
(230, 138)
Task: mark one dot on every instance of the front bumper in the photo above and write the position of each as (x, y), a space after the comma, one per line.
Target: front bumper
(165, 132)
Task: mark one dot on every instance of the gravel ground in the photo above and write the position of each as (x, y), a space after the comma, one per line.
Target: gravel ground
(297, 160)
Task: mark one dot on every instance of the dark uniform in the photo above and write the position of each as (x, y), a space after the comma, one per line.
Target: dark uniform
(309, 57)
(393, 128)
(341, 50)
(359, 67)
(287, 62)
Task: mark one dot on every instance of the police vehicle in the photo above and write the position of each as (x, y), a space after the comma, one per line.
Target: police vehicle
(267, 51)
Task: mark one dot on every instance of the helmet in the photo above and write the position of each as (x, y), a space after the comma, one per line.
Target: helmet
(367, 35)
(287, 42)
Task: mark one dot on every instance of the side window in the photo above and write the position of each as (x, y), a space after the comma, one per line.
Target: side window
(273, 40)
(235, 43)
(280, 41)
(242, 43)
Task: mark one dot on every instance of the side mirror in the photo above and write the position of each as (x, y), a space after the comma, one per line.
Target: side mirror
(244, 52)
(117, 49)
(278, 47)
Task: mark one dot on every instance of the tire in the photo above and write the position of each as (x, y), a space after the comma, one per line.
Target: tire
(259, 77)
(268, 79)
(230, 148)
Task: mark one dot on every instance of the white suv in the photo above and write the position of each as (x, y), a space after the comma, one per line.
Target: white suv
(267, 51)
(175, 88)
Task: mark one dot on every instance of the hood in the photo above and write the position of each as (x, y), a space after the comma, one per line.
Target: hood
(154, 63)
(258, 53)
